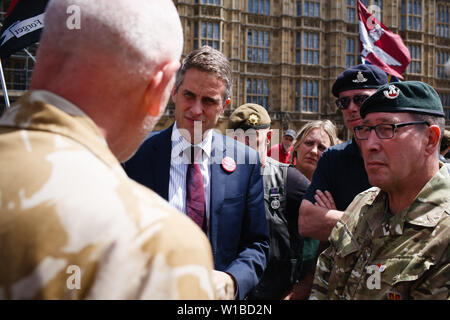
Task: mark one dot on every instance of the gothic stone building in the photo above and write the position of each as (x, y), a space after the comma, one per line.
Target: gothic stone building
(286, 54)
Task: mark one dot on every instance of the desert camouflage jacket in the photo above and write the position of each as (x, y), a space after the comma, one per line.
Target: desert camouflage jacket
(374, 256)
(74, 226)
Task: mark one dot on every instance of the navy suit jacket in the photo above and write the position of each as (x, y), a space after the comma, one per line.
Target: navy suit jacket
(238, 228)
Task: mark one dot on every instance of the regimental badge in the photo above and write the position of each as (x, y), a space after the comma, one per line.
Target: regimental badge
(393, 295)
(392, 92)
(253, 119)
(359, 78)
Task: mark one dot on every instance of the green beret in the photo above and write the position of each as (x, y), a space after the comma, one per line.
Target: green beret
(406, 96)
(249, 116)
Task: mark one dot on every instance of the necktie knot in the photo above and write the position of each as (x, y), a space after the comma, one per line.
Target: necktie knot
(194, 154)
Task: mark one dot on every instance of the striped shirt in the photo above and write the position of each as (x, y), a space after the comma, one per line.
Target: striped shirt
(178, 168)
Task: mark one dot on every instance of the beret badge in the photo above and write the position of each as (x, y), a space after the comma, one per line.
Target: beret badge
(406, 96)
(360, 78)
(253, 120)
(392, 92)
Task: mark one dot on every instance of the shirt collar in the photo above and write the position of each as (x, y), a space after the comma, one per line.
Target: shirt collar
(55, 100)
(45, 111)
(427, 208)
(354, 148)
(432, 200)
(179, 143)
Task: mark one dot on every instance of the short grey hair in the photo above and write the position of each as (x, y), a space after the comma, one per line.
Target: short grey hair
(210, 60)
(439, 121)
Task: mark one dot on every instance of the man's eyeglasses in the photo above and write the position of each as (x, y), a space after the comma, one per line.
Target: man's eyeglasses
(383, 131)
(344, 102)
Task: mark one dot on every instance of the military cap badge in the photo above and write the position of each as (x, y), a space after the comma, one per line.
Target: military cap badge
(392, 92)
(253, 120)
(360, 78)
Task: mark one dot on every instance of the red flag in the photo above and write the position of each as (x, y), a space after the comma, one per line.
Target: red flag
(380, 46)
(11, 7)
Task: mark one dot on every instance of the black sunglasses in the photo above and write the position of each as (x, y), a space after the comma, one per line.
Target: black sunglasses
(344, 102)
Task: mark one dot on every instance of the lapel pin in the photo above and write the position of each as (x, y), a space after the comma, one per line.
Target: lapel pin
(228, 164)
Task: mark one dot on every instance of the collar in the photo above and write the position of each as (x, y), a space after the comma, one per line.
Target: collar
(45, 111)
(353, 147)
(285, 152)
(179, 143)
(53, 99)
(432, 201)
(427, 209)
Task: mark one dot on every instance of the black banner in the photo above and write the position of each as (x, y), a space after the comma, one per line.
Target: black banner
(22, 26)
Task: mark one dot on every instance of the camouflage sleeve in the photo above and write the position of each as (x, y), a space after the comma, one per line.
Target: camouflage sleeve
(322, 275)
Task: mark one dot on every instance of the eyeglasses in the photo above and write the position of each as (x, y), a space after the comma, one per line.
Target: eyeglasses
(383, 131)
(344, 102)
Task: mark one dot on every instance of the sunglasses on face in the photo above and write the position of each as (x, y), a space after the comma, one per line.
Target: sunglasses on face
(344, 102)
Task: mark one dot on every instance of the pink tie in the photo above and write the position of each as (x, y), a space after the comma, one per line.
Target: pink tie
(195, 195)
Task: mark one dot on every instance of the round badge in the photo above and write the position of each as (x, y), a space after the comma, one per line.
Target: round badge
(228, 164)
(275, 204)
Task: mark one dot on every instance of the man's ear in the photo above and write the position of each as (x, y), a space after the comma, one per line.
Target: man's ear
(225, 105)
(269, 136)
(434, 135)
(173, 92)
(156, 93)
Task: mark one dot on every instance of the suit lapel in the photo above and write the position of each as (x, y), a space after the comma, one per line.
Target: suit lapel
(162, 149)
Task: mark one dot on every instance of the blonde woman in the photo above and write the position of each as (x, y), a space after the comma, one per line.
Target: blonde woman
(311, 141)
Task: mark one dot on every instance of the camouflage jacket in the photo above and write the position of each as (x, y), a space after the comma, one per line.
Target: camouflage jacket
(74, 226)
(406, 256)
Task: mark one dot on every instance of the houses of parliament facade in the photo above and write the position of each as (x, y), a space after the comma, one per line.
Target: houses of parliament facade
(286, 54)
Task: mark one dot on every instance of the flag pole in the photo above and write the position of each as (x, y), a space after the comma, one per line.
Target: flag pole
(5, 91)
(29, 54)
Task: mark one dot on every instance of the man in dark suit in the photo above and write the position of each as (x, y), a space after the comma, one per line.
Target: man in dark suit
(232, 195)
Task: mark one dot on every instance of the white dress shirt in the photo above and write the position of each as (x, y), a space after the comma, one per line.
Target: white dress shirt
(178, 168)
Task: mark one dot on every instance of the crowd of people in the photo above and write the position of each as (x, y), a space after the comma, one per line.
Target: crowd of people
(191, 213)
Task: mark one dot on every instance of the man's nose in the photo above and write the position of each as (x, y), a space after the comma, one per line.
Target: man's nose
(373, 142)
(353, 106)
(197, 107)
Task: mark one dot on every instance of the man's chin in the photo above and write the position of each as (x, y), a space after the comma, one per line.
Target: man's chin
(125, 155)
(376, 180)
